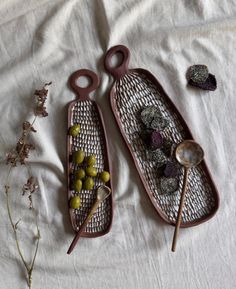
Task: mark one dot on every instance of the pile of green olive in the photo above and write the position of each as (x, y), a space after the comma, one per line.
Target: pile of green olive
(83, 176)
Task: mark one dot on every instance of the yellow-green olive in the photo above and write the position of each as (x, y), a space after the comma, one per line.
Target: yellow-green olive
(77, 185)
(91, 171)
(78, 157)
(75, 202)
(91, 160)
(105, 176)
(74, 130)
(88, 184)
(80, 174)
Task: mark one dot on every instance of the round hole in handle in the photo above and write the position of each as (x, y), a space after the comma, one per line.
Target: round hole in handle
(116, 60)
(122, 68)
(83, 92)
(84, 81)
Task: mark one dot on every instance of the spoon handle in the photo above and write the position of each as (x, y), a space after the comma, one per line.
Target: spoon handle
(179, 216)
(84, 224)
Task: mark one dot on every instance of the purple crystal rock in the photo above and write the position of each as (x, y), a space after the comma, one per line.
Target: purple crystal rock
(209, 84)
(171, 169)
(155, 140)
(145, 136)
(160, 171)
(152, 139)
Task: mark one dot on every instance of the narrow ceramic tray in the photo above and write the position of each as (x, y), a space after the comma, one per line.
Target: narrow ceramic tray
(133, 90)
(92, 140)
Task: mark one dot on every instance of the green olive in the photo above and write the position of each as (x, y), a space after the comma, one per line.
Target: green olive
(74, 130)
(78, 157)
(88, 184)
(80, 174)
(91, 171)
(77, 185)
(91, 160)
(105, 176)
(75, 202)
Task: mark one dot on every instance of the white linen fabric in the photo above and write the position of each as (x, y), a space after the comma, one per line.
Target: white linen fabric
(43, 41)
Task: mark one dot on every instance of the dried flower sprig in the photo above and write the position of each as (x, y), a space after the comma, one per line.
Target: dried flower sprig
(29, 188)
(40, 109)
(19, 155)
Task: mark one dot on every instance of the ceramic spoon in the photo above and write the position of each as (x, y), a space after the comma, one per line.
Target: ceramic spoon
(189, 154)
(102, 193)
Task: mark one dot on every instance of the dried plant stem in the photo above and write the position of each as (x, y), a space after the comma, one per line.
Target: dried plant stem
(29, 267)
(19, 155)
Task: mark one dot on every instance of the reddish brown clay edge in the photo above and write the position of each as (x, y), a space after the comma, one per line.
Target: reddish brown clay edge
(83, 94)
(117, 74)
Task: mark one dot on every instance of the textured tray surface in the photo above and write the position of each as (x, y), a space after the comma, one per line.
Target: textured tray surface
(92, 141)
(133, 92)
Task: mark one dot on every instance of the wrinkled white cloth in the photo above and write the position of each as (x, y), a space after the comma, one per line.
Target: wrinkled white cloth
(43, 41)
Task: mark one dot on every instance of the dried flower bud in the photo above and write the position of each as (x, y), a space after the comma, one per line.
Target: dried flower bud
(11, 158)
(30, 187)
(40, 109)
(27, 126)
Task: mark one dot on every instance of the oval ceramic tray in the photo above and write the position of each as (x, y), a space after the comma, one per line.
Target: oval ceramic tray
(92, 140)
(133, 90)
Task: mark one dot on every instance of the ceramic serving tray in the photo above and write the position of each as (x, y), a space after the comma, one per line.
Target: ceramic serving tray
(133, 90)
(92, 140)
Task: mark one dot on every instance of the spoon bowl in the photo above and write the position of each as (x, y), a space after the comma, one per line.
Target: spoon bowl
(189, 153)
(103, 192)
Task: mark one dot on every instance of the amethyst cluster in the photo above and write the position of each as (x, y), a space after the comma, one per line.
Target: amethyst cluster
(159, 149)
